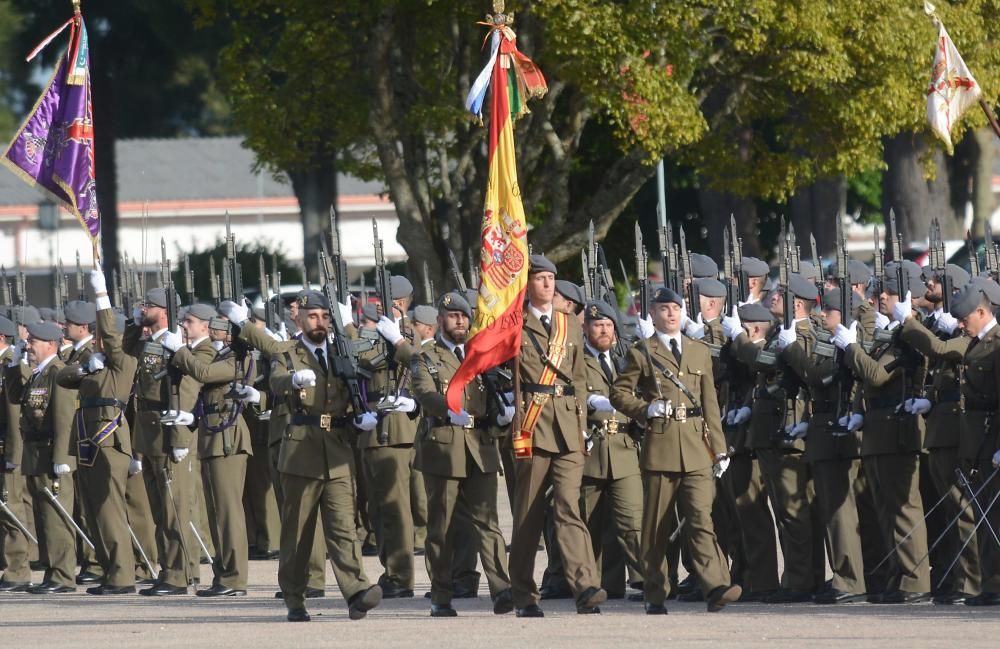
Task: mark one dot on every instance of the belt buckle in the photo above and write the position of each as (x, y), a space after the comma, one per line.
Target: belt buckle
(557, 390)
(325, 421)
(681, 413)
(539, 398)
(471, 424)
(612, 426)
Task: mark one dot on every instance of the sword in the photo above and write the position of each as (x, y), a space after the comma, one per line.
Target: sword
(66, 516)
(142, 553)
(968, 540)
(18, 524)
(201, 542)
(975, 501)
(895, 548)
(169, 478)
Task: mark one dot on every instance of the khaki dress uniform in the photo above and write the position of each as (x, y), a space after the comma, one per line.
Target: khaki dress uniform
(46, 422)
(460, 467)
(103, 396)
(223, 448)
(13, 488)
(317, 478)
(263, 524)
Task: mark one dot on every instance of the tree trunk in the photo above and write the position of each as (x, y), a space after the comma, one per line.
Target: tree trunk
(983, 202)
(716, 209)
(914, 198)
(316, 190)
(814, 210)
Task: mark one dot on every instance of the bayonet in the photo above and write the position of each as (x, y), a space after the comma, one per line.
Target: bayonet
(588, 288)
(641, 272)
(818, 264)
(80, 288)
(428, 287)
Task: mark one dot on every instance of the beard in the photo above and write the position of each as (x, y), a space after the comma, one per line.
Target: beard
(149, 321)
(456, 335)
(316, 336)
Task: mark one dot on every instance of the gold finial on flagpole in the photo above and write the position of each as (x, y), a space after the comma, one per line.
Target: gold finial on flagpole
(76, 7)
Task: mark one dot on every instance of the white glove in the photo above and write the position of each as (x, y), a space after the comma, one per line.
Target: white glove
(996, 459)
(403, 404)
(946, 323)
(366, 422)
(797, 431)
(97, 282)
(731, 325)
(179, 454)
(10, 466)
(136, 313)
(695, 328)
(902, 309)
(917, 406)
(742, 415)
(506, 416)
(274, 335)
(237, 313)
(720, 466)
(881, 321)
(786, 337)
(645, 327)
(856, 421)
(731, 417)
(94, 364)
(599, 403)
(15, 356)
(134, 466)
(846, 337)
(844, 420)
(171, 340)
(303, 378)
(60, 469)
(389, 329)
(248, 394)
(345, 313)
(659, 408)
(179, 417)
(459, 419)
(509, 396)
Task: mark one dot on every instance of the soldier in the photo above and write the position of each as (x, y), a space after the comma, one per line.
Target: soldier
(550, 448)
(17, 573)
(569, 298)
(858, 277)
(891, 376)
(223, 440)
(46, 422)
(460, 461)
(611, 474)
(756, 272)
(102, 440)
(316, 464)
(425, 323)
(668, 386)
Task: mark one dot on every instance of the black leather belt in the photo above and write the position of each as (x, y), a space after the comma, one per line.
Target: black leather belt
(949, 396)
(554, 390)
(475, 423)
(148, 404)
(213, 408)
(326, 422)
(96, 402)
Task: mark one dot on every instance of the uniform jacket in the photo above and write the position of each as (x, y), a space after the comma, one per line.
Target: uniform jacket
(401, 427)
(10, 416)
(46, 417)
(614, 454)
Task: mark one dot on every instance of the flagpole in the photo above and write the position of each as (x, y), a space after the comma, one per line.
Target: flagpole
(990, 117)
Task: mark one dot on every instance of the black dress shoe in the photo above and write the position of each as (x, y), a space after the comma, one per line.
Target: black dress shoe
(835, 596)
(588, 610)
(219, 590)
(87, 578)
(788, 596)
(311, 593)
(903, 597)
(550, 592)
(108, 589)
(951, 597)
(687, 585)
(366, 600)
(298, 615)
(719, 597)
(464, 593)
(369, 550)
(655, 609)
(144, 581)
(691, 596)
(264, 555)
(393, 590)
(50, 588)
(591, 598)
(14, 586)
(984, 599)
(162, 590)
(873, 598)
(443, 610)
(418, 552)
(615, 595)
(531, 610)
(636, 596)
(504, 603)
(38, 566)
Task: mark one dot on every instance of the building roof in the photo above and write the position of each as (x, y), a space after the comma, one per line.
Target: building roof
(189, 169)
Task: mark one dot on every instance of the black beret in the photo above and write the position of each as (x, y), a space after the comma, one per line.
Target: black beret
(454, 301)
(966, 300)
(539, 264)
(754, 312)
(664, 295)
(710, 287)
(45, 331)
(754, 267)
(599, 310)
(570, 291)
(703, 266)
(81, 313)
(7, 327)
(801, 287)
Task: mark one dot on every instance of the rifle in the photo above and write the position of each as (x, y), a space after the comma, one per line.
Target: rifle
(428, 286)
(793, 249)
(473, 270)
(668, 258)
(383, 284)
(588, 288)
(4, 288)
(640, 271)
(344, 361)
(818, 263)
(973, 257)
(728, 276)
(456, 273)
(173, 398)
(213, 281)
(80, 290)
(879, 267)
(896, 241)
(188, 280)
(232, 276)
(305, 276)
(687, 280)
(270, 319)
(337, 261)
(940, 265)
(843, 374)
(784, 271)
(992, 259)
(116, 290)
(276, 308)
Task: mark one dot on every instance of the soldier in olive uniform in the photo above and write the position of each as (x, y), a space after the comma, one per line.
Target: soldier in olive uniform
(17, 572)
(891, 377)
(317, 466)
(551, 449)
(223, 443)
(858, 277)
(459, 458)
(611, 472)
(102, 440)
(978, 364)
(48, 462)
(668, 385)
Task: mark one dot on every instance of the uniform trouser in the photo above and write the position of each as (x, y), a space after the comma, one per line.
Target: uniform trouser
(786, 478)
(873, 547)
(465, 555)
(258, 499)
(476, 495)
(745, 485)
(224, 479)
(140, 518)
(838, 512)
(693, 493)
(51, 525)
(964, 577)
(554, 577)
(418, 507)
(16, 548)
(989, 551)
(894, 483)
(87, 558)
(174, 482)
(332, 501)
(509, 463)
(317, 561)
(199, 515)
(616, 504)
(564, 472)
(389, 469)
(102, 490)
(362, 520)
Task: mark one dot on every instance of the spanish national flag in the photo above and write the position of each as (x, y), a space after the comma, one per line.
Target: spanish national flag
(495, 336)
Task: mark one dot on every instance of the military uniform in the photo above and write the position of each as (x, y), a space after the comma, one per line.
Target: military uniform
(13, 489)
(263, 523)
